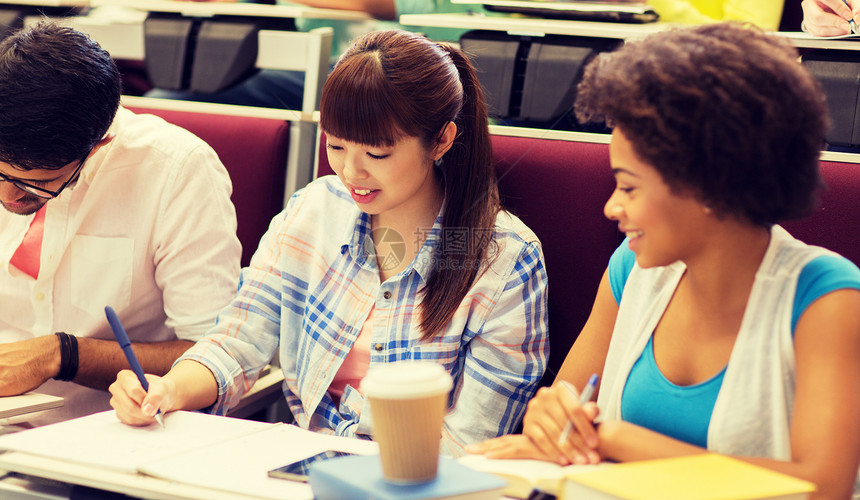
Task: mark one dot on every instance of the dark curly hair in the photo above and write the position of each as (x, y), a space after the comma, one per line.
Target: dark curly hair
(723, 111)
(59, 92)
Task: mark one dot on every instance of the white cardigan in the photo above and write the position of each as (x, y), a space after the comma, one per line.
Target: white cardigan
(752, 413)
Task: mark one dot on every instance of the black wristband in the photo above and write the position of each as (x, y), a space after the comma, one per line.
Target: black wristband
(73, 359)
(68, 356)
(64, 354)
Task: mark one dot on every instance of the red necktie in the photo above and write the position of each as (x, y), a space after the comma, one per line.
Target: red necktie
(28, 255)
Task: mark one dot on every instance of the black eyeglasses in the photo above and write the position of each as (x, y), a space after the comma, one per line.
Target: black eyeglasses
(42, 192)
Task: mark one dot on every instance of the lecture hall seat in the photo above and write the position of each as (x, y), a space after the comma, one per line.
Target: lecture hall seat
(835, 223)
(559, 187)
(254, 150)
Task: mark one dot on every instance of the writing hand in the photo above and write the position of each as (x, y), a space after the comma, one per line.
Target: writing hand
(548, 414)
(510, 446)
(829, 17)
(135, 406)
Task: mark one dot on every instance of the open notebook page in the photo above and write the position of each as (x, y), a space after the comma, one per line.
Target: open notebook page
(241, 465)
(102, 440)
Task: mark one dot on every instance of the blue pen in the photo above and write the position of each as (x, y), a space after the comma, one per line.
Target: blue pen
(584, 397)
(851, 21)
(125, 345)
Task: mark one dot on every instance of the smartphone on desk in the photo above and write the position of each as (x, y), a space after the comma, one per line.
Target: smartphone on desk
(298, 470)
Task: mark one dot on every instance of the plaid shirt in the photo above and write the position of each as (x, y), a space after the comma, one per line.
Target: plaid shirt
(311, 286)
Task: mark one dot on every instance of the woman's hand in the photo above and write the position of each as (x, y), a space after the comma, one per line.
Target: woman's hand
(510, 446)
(549, 413)
(829, 17)
(133, 405)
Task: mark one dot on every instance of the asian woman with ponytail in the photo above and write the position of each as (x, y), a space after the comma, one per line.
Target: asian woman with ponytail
(405, 254)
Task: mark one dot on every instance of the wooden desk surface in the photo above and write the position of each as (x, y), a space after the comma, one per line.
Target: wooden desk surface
(48, 3)
(533, 26)
(209, 9)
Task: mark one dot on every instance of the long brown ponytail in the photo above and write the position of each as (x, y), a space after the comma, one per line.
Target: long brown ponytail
(392, 84)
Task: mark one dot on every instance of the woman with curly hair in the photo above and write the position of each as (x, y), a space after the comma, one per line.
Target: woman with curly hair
(713, 328)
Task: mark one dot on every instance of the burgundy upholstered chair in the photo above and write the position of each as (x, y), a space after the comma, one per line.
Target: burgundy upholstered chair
(254, 150)
(835, 224)
(558, 189)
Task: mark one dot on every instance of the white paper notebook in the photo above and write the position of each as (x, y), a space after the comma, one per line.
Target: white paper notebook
(524, 475)
(12, 406)
(199, 449)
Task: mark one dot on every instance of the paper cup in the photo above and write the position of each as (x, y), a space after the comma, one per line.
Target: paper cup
(407, 402)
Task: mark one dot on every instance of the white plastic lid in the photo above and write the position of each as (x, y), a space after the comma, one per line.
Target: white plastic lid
(406, 380)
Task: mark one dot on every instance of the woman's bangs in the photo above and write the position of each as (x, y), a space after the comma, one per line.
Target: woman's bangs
(357, 104)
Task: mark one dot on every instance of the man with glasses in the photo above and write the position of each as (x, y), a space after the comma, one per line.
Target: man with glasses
(100, 207)
(27, 206)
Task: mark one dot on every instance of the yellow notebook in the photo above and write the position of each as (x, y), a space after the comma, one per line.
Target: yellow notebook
(697, 477)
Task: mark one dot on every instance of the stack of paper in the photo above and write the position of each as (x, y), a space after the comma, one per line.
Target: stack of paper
(12, 406)
(218, 453)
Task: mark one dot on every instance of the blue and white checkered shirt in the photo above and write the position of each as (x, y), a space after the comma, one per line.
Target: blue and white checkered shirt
(311, 286)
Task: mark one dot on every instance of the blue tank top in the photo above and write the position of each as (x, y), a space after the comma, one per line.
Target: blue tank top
(651, 400)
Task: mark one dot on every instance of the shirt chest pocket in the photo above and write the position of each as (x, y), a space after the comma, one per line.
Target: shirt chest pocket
(101, 273)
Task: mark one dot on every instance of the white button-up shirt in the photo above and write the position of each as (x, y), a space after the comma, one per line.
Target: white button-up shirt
(148, 228)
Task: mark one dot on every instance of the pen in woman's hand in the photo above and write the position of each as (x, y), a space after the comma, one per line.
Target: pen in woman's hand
(584, 397)
(851, 21)
(125, 345)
